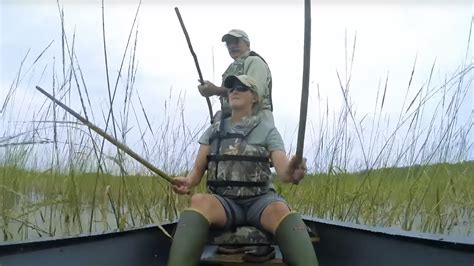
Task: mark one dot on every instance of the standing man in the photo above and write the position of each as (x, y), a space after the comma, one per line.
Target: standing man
(245, 62)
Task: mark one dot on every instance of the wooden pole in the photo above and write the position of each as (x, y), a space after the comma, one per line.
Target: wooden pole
(111, 139)
(188, 40)
(305, 89)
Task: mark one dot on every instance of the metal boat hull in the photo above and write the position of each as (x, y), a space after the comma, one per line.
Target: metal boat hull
(340, 244)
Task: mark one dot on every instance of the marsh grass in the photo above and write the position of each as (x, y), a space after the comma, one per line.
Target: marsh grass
(36, 204)
(436, 198)
(59, 178)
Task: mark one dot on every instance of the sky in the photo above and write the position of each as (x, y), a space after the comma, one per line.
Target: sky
(390, 36)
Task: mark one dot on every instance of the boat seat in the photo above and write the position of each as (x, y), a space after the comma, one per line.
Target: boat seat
(245, 244)
(247, 236)
(212, 256)
(241, 236)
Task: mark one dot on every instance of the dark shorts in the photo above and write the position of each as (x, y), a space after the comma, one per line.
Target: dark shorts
(247, 211)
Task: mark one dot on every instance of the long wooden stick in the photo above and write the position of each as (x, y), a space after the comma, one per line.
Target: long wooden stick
(112, 140)
(304, 92)
(188, 40)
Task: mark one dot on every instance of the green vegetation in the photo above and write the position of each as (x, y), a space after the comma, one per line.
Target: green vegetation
(431, 198)
(436, 198)
(46, 203)
(59, 178)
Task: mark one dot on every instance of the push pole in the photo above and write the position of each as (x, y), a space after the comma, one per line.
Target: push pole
(304, 92)
(188, 40)
(111, 139)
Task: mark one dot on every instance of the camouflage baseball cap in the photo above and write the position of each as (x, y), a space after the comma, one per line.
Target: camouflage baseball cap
(246, 80)
(236, 33)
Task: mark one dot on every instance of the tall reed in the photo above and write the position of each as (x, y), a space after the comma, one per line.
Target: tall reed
(413, 174)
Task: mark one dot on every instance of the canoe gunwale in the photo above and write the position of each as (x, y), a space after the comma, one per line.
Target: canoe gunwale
(53, 242)
(436, 240)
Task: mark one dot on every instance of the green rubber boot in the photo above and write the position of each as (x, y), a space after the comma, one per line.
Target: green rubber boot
(189, 239)
(293, 239)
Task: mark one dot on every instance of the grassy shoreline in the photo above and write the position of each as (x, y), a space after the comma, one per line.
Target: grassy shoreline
(431, 198)
(58, 178)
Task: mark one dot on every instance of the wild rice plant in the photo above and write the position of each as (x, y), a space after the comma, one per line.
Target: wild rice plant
(412, 176)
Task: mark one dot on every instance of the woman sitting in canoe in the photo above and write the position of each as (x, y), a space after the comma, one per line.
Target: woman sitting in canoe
(236, 153)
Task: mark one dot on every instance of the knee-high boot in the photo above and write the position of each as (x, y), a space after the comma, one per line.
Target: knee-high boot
(294, 242)
(189, 239)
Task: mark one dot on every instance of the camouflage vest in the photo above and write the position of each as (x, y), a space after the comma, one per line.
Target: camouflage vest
(237, 68)
(235, 167)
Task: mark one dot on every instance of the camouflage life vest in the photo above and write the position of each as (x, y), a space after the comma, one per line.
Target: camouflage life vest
(235, 167)
(237, 68)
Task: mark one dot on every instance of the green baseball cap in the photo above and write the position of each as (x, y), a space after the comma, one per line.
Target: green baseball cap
(236, 33)
(245, 80)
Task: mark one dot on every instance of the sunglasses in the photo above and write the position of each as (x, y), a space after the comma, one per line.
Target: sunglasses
(239, 88)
